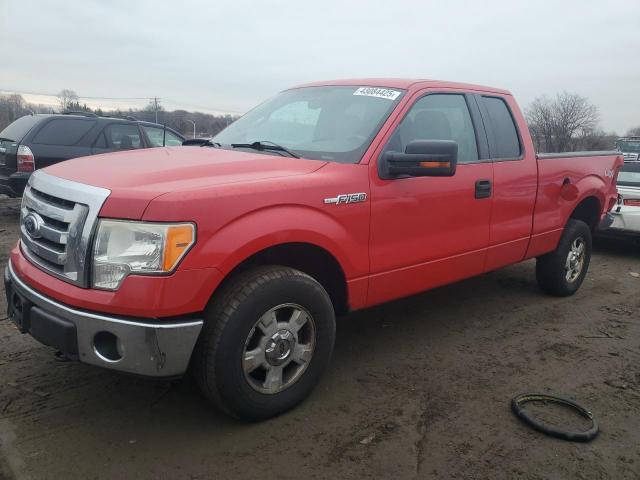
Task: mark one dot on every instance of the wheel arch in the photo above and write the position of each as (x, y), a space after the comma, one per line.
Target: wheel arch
(300, 237)
(588, 210)
(315, 261)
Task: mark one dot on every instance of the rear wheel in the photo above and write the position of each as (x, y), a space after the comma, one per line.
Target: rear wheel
(562, 271)
(267, 340)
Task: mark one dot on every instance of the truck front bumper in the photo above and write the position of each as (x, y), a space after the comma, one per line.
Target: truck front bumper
(139, 346)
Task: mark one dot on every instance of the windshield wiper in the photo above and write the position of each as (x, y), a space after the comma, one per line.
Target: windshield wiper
(266, 145)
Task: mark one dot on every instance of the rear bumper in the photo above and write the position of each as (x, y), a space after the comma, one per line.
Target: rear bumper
(624, 220)
(605, 223)
(5, 189)
(138, 346)
(14, 184)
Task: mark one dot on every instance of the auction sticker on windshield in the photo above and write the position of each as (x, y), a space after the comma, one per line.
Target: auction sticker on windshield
(377, 92)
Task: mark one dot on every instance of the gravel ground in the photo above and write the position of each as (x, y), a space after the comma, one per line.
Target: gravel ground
(418, 388)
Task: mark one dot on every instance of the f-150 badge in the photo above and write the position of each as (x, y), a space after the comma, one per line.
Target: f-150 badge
(346, 198)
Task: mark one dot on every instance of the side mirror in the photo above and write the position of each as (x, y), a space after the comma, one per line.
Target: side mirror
(422, 158)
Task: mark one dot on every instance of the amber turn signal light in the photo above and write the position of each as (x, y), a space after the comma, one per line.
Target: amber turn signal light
(178, 240)
(435, 164)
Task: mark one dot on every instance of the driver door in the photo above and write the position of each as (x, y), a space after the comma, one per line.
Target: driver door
(430, 231)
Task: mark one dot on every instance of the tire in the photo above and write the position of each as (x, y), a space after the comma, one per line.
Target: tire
(240, 321)
(556, 273)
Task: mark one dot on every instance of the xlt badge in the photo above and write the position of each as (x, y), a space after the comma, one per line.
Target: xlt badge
(347, 198)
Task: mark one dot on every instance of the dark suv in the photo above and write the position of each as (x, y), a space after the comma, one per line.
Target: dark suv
(37, 141)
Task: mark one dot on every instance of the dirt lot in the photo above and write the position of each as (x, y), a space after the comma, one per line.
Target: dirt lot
(419, 388)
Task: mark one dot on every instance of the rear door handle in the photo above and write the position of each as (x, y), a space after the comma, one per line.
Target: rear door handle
(483, 188)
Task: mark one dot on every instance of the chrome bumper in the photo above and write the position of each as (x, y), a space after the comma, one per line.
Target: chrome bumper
(626, 219)
(135, 346)
(625, 215)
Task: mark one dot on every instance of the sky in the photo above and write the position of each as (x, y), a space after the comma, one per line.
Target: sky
(227, 56)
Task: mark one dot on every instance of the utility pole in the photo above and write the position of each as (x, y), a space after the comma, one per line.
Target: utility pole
(194, 126)
(155, 107)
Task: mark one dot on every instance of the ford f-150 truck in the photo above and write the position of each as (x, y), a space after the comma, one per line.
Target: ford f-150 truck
(231, 260)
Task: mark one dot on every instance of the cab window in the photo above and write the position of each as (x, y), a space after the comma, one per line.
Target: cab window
(123, 136)
(504, 143)
(438, 117)
(157, 134)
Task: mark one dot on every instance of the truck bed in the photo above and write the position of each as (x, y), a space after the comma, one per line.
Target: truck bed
(564, 178)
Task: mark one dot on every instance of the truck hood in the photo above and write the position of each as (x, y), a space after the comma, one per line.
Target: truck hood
(137, 177)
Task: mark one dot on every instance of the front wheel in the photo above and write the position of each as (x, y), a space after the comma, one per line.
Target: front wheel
(267, 340)
(562, 271)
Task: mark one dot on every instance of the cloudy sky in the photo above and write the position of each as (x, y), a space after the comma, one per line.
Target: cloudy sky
(225, 56)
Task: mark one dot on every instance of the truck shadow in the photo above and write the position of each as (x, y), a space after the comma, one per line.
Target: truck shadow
(617, 246)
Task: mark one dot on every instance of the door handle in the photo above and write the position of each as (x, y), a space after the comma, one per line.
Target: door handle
(483, 188)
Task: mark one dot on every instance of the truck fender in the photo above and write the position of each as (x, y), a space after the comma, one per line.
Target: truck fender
(589, 186)
(266, 227)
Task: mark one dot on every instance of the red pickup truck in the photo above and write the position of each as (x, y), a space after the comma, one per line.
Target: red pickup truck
(231, 260)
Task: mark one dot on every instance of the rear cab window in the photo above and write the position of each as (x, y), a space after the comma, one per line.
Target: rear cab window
(64, 132)
(502, 132)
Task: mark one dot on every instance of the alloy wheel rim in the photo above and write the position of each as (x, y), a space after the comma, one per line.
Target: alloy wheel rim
(279, 348)
(575, 260)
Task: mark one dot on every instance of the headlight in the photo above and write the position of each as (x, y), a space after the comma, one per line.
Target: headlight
(124, 247)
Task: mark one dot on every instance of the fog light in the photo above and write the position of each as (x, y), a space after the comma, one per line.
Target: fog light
(108, 347)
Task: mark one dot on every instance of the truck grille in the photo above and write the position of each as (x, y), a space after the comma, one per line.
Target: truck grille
(56, 221)
(630, 157)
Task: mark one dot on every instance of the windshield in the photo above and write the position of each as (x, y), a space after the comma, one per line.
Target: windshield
(629, 175)
(334, 123)
(632, 146)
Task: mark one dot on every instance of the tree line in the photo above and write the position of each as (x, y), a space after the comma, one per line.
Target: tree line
(14, 106)
(566, 122)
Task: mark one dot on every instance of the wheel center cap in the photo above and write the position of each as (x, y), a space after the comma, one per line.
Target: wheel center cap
(279, 347)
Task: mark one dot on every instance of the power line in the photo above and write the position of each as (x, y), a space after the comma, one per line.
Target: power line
(201, 107)
(79, 96)
(117, 98)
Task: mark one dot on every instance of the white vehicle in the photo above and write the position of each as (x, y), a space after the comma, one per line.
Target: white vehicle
(626, 215)
(630, 148)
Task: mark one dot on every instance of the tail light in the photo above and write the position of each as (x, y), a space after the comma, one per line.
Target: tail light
(632, 202)
(26, 160)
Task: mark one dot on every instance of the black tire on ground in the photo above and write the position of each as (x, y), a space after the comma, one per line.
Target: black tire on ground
(552, 269)
(230, 319)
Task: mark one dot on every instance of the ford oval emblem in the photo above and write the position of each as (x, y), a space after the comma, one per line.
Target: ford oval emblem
(32, 224)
